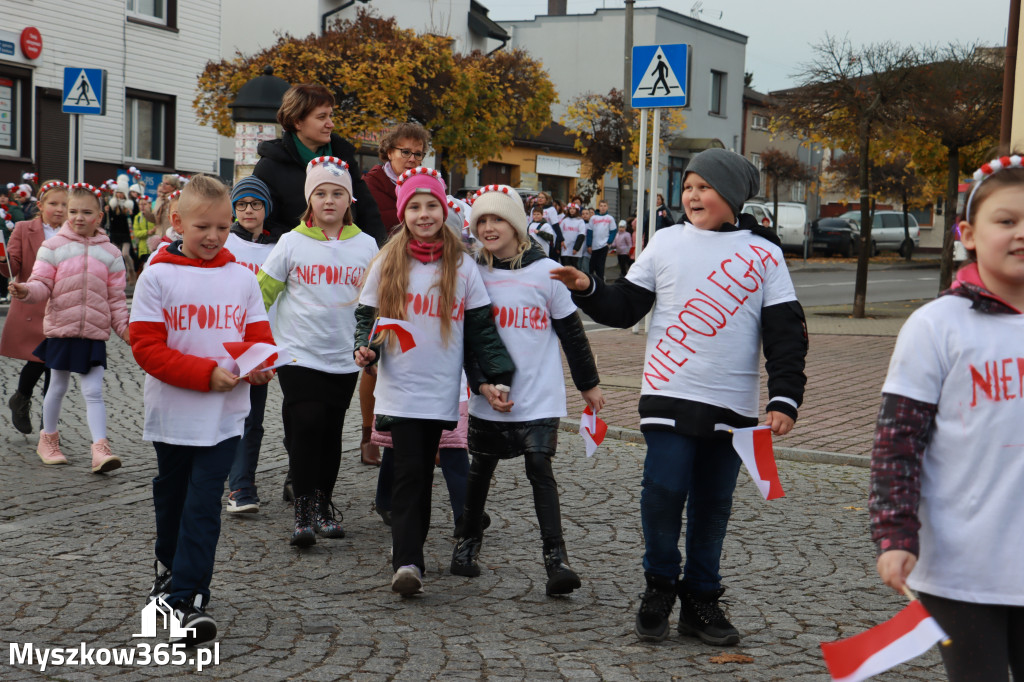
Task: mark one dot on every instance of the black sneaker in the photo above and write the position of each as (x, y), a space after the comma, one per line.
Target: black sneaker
(655, 608)
(198, 625)
(701, 616)
(162, 583)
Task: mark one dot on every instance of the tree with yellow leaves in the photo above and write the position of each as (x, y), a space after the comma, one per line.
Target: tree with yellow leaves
(473, 104)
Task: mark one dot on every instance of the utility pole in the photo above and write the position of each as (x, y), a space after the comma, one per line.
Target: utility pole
(626, 180)
(1009, 78)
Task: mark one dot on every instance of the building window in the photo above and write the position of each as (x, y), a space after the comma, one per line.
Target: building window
(756, 160)
(717, 93)
(148, 128)
(159, 12)
(676, 166)
(10, 116)
(797, 191)
(759, 122)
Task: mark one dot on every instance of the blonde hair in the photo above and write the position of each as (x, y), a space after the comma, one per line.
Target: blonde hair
(201, 189)
(310, 219)
(78, 193)
(393, 279)
(56, 188)
(172, 179)
(517, 260)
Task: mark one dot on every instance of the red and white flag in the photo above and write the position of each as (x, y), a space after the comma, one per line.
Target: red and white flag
(405, 332)
(3, 246)
(593, 430)
(249, 355)
(907, 635)
(754, 446)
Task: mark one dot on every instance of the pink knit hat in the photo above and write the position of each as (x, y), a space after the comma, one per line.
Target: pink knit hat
(420, 180)
(327, 170)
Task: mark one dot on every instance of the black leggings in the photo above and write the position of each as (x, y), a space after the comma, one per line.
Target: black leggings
(415, 445)
(313, 412)
(545, 496)
(987, 639)
(30, 374)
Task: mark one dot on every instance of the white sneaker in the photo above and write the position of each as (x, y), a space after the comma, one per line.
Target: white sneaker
(242, 504)
(408, 580)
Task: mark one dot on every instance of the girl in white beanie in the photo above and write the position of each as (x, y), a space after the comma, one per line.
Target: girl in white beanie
(533, 314)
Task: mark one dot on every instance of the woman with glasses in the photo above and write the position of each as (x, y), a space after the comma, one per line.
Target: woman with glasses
(305, 114)
(402, 149)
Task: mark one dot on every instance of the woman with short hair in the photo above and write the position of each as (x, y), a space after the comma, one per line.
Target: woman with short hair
(305, 114)
(401, 149)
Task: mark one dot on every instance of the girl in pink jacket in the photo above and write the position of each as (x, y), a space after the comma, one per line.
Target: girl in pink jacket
(83, 276)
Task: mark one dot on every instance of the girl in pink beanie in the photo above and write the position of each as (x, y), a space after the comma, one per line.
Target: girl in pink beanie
(424, 280)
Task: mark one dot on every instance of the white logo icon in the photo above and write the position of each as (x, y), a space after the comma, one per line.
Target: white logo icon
(158, 607)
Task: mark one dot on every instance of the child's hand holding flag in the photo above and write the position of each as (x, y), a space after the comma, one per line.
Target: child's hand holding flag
(754, 446)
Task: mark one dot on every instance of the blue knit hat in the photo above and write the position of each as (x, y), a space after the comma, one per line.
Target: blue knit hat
(251, 186)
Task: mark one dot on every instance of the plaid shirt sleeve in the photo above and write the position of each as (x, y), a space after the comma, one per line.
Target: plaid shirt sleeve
(901, 435)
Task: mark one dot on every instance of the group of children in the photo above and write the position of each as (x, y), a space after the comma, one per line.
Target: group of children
(579, 236)
(423, 310)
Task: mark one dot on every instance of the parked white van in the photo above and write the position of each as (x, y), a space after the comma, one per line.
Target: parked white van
(887, 230)
(792, 221)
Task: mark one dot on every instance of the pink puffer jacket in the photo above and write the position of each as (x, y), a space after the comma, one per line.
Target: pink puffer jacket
(84, 279)
(455, 440)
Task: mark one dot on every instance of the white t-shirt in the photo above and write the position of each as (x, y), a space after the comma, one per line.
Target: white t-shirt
(202, 309)
(423, 383)
(316, 319)
(600, 227)
(251, 255)
(571, 227)
(705, 339)
(524, 302)
(545, 245)
(972, 511)
(551, 215)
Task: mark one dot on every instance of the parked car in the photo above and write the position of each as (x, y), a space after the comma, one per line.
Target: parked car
(761, 213)
(887, 231)
(835, 235)
(792, 222)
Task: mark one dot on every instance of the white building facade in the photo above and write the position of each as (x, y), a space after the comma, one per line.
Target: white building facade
(152, 52)
(584, 53)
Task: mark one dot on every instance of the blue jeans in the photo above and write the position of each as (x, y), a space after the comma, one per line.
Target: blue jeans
(700, 474)
(243, 470)
(454, 466)
(186, 495)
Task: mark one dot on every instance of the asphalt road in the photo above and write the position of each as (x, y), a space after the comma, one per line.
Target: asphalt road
(817, 287)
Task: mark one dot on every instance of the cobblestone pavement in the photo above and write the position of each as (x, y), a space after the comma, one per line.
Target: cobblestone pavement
(77, 558)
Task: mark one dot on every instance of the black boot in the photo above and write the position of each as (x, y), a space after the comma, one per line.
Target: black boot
(655, 608)
(304, 534)
(467, 549)
(701, 616)
(324, 517)
(561, 578)
(288, 494)
(21, 405)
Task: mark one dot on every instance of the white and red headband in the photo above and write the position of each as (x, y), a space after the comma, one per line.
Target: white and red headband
(88, 187)
(987, 170)
(327, 170)
(53, 184)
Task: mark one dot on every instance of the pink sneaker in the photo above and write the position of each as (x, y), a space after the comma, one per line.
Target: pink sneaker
(49, 448)
(103, 460)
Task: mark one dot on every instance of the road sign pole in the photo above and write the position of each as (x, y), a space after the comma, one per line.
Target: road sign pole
(72, 148)
(79, 151)
(641, 227)
(652, 197)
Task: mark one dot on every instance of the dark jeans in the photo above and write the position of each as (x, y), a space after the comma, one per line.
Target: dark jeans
(700, 474)
(624, 263)
(987, 639)
(415, 442)
(243, 471)
(186, 495)
(598, 257)
(545, 496)
(573, 261)
(313, 412)
(454, 466)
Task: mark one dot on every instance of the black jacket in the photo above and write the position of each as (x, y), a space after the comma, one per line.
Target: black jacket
(246, 235)
(784, 341)
(282, 169)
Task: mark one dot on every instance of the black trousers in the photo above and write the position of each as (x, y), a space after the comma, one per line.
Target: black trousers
(29, 377)
(545, 496)
(313, 412)
(598, 257)
(573, 261)
(987, 639)
(415, 445)
(624, 262)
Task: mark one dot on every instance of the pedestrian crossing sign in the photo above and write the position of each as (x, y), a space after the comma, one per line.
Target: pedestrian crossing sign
(84, 91)
(660, 76)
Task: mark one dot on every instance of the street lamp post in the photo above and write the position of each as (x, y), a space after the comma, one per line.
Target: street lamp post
(626, 180)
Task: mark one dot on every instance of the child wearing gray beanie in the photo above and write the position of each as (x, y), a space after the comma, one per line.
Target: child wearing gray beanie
(720, 294)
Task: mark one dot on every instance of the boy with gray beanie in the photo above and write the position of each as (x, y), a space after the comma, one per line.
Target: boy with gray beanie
(719, 290)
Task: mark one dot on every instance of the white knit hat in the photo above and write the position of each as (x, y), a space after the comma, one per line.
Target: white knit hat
(502, 201)
(330, 170)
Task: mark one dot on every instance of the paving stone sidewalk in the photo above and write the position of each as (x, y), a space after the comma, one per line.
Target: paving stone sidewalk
(77, 559)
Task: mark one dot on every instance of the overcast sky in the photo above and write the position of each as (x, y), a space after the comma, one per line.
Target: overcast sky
(780, 32)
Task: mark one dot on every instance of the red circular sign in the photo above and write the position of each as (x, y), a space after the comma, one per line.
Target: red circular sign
(31, 42)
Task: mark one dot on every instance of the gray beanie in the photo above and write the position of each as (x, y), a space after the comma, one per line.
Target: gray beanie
(730, 174)
(251, 186)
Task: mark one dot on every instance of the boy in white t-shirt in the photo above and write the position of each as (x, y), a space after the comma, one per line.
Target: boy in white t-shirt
(189, 301)
(718, 285)
(541, 231)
